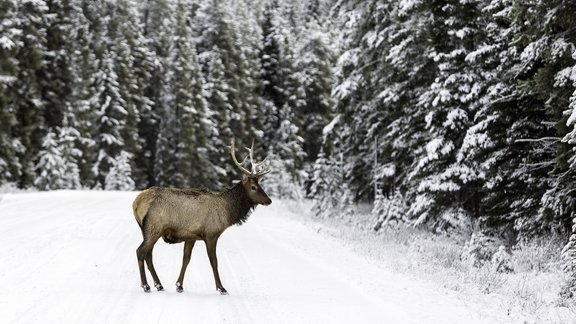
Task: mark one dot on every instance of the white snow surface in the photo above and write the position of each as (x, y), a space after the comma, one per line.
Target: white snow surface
(69, 257)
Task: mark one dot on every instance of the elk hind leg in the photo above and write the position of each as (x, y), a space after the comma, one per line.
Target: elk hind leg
(141, 253)
(144, 252)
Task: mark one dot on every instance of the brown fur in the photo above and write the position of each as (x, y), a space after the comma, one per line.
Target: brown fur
(142, 203)
(187, 215)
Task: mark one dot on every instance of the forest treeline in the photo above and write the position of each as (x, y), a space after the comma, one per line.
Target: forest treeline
(130, 94)
(454, 114)
(445, 114)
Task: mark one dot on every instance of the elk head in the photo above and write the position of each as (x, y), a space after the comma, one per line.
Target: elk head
(250, 178)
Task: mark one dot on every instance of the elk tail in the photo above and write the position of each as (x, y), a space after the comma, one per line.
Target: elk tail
(141, 205)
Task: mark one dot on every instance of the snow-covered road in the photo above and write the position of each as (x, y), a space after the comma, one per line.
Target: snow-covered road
(69, 257)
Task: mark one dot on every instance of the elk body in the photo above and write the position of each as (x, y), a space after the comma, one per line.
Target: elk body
(188, 215)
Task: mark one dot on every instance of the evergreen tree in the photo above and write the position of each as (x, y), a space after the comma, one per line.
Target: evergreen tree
(217, 99)
(184, 128)
(66, 83)
(230, 66)
(142, 69)
(280, 94)
(131, 66)
(28, 103)
(117, 92)
(447, 187)
(9, 40)
(109, 141)
(331, 195)
(491, 145)
(380, 77)
(248, 35)
(315, 60)
(157, 31)
(83, 111)
(553, 46)
(56, 167)
(56, 76)
(120, 175)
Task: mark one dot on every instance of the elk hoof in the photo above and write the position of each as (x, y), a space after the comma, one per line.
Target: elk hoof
(146, 288)
(159, 287)
(222, 291)
(179, 287)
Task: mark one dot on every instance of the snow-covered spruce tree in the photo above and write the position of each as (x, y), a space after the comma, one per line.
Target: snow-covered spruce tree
(273, 92)
(502, 260)
(118, 94)
(28, 103)
(369, 103)
(57, 163)
(486, 147)
(329, 191)
(9, 40)
(443, 189)
(56, 75)
(479, 250)
(248, 35)
(381, 74)
(157, 30)
(185, 128)
(51, 165)
(502, 143)
(388, 209)
(569, 251)
(315, 60)
(285, 178)
(67, 89)
(141, 70)
(351, 84)
(230, 84)
(83, 111)
(513, 143)
(554, 45)
(217, 99)
(120, 175)
(112, 118)
(280, 94)
(131, 64)
(325, 180)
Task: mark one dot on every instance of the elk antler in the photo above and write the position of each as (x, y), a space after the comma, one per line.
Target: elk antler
(238, 164)
(255, 166)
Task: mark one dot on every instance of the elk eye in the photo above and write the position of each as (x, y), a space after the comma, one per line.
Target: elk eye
(254, 188)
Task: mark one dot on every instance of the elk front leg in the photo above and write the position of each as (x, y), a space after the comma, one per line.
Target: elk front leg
(211, 248)
(185, 261)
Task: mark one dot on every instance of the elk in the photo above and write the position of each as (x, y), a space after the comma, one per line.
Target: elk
(189, 215)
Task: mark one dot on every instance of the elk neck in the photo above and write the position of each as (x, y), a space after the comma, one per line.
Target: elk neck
(239, 205)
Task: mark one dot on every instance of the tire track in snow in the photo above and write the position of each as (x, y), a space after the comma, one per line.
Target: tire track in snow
(381, 287)
(69, 257)
(241, 271)
(302, 291)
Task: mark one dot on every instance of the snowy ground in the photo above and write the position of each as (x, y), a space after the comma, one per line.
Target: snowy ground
(69, 257)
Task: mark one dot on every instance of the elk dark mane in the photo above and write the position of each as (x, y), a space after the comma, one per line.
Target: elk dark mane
(243, 207)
